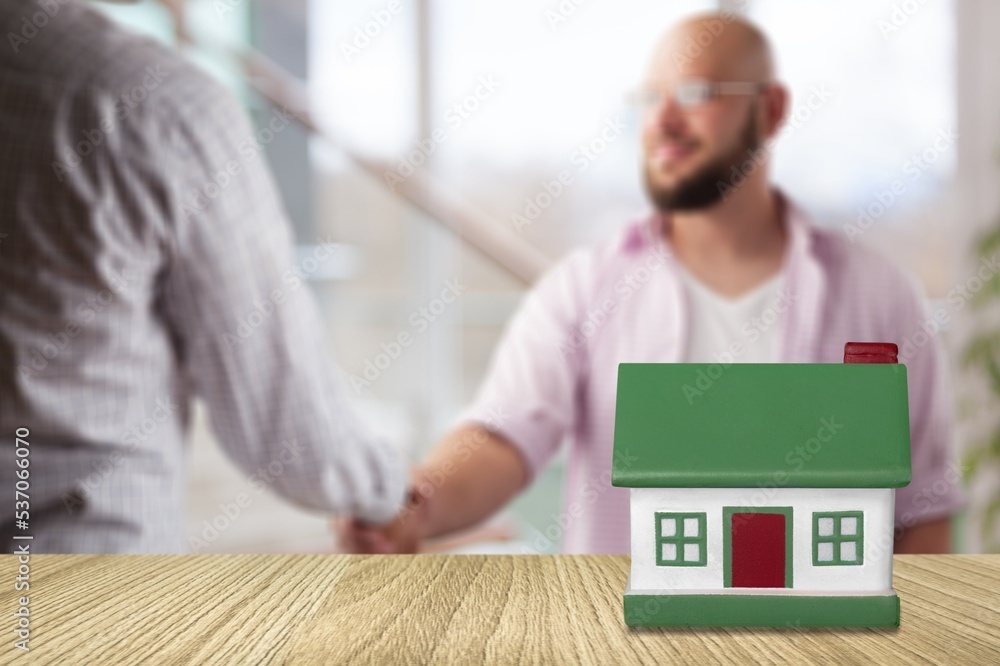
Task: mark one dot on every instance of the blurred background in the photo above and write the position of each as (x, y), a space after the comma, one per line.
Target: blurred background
(431, 134)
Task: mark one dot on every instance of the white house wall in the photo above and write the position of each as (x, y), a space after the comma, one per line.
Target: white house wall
(874, 575)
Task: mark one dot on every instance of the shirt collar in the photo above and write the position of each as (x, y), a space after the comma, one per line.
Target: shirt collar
(806, 277)
(649, 231)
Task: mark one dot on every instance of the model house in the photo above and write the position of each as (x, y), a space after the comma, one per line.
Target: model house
(762, 494)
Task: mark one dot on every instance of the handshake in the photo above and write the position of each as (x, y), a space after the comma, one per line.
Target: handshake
(403, 534)
(457, 487)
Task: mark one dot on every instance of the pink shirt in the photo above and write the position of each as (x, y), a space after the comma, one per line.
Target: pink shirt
(553, 376)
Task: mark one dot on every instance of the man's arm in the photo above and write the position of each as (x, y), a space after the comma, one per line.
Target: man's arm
(470, 474)
(245, 327)
(525, 407)
(933, 536)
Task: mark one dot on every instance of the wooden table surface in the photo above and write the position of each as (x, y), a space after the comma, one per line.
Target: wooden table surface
(331, 609)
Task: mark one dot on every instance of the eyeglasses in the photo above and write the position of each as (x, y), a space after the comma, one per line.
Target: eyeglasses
(693, 93)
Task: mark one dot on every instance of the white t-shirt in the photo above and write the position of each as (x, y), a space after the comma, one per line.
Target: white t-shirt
(741, 330)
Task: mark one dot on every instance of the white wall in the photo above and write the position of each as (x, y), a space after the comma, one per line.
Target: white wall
(874, 575)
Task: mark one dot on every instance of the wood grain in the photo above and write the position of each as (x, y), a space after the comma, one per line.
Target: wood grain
(330, 609)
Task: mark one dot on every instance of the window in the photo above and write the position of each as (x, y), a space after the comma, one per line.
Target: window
(838, 538)
(680, 540)
(893, 89)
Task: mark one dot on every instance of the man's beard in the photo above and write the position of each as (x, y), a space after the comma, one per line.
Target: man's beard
(703, 189)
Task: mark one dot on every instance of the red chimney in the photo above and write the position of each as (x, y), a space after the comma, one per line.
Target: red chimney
(870, 352)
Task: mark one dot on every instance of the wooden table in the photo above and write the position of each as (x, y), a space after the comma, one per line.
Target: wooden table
(329, 609)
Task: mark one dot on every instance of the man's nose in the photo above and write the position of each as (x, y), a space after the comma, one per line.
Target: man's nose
(669, 115)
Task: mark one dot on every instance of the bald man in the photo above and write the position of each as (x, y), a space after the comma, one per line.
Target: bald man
(725, 269)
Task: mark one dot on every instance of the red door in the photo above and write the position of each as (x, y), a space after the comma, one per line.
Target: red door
(758, 550)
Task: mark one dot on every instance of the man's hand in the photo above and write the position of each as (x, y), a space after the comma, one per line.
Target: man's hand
(402, 534)
(468, 477)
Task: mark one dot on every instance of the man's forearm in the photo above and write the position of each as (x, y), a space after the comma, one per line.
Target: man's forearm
(470, 475)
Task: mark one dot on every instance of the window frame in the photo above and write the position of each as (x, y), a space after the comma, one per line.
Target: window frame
(680, 540)
(837, 538)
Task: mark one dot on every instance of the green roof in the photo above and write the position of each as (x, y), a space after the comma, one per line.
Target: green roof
(809, 425)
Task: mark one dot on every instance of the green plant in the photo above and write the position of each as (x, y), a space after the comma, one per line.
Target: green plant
(982, 356)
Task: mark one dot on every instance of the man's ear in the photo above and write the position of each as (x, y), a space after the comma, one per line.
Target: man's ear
(777, 101)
